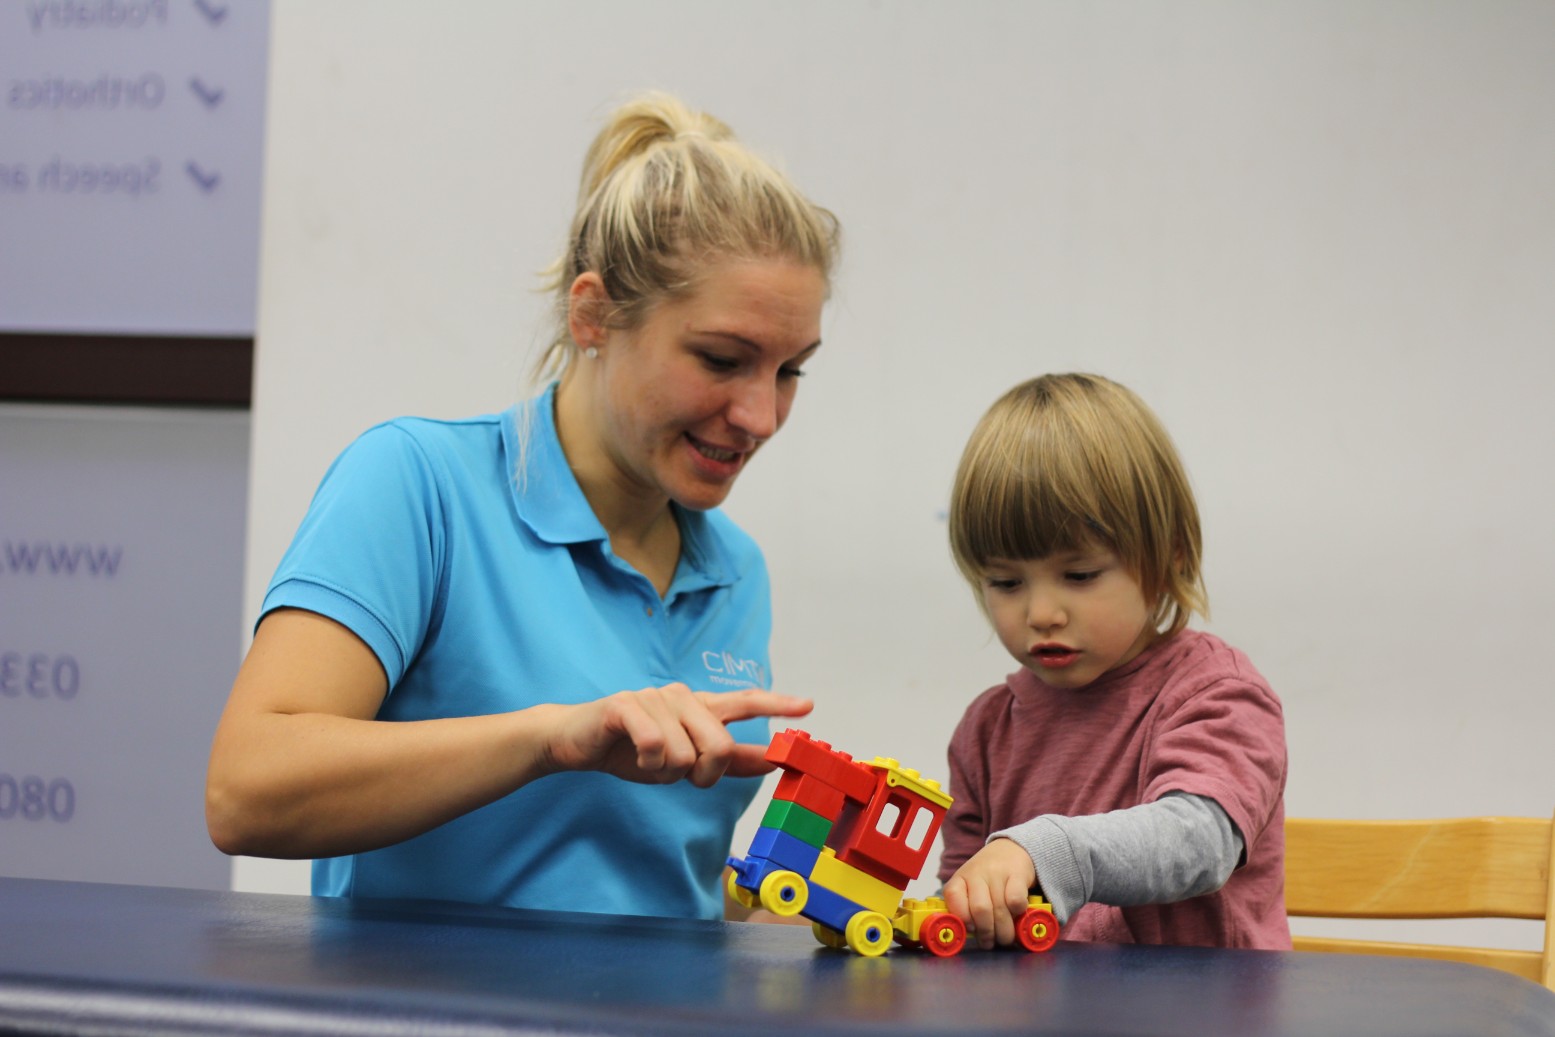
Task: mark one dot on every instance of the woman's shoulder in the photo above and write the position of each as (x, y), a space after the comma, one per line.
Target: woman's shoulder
(443, 435)
(439, 443)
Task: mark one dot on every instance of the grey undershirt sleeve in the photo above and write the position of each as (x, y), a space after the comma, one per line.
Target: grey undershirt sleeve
(1178, 847)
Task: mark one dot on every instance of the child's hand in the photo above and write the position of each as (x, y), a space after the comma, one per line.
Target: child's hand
(989, 891)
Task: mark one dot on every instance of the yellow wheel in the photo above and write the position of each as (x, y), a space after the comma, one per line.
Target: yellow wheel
(784, 893)
(829, 937)
(738, 893)
(869, 933)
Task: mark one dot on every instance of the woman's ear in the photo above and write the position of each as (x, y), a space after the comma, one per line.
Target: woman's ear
(588, 305)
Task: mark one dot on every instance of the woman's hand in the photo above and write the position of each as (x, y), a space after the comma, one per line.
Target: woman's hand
(662, 735)
(989, 891)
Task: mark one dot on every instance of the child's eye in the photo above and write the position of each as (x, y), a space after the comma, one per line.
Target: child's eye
(1001, 583)
(1082, 575)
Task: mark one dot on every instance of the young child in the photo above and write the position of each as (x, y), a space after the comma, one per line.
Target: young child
(1132, 770)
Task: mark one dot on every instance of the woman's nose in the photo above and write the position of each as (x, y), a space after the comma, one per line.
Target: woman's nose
(754, 409)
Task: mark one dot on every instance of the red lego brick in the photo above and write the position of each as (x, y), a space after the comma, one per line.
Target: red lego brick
(885, 855)
(795, 750)
(811, 793)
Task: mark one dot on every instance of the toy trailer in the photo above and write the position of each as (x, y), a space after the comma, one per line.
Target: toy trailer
(839, 843)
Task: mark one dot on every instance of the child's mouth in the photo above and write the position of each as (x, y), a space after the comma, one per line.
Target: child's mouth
(1054, 656)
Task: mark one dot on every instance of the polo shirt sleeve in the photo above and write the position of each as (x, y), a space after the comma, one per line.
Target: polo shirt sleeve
(1225, 741)
(369, 551)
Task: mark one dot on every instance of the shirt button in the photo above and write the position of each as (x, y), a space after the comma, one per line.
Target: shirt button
(649, 610)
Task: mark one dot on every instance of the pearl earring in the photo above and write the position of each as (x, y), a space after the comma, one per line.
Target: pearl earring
(592, 352)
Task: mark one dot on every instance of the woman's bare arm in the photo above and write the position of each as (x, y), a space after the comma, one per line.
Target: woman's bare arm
(300, 768)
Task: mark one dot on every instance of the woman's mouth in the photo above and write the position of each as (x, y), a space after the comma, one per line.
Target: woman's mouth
(718, 461)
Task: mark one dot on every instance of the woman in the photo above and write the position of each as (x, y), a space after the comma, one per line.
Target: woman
(433, 701)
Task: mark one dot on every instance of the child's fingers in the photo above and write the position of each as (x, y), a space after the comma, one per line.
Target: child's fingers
(983, 914)
(1003, 923)
(1015, 893)
(955, 897)
(975, 896)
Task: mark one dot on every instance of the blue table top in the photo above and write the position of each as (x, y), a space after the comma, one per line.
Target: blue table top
(86, 957)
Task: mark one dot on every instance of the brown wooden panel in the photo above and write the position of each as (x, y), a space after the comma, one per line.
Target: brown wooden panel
(1485, 867)
(129, 369)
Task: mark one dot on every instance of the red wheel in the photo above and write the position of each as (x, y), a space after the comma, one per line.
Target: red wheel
(942, 934)
(1037, 931)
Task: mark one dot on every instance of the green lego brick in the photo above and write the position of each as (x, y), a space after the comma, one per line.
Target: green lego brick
(795, 820)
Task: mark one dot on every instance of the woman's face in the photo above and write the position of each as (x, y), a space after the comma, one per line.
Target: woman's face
(692, 393)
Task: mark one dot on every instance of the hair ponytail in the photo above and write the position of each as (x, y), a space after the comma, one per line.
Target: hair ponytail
(663, 188)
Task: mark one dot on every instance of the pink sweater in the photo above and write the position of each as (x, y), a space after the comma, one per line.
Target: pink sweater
(1190, 715)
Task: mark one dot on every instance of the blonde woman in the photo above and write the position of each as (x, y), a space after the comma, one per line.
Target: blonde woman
(522, 658)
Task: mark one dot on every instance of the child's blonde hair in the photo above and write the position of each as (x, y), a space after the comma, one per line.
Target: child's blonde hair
(664, 190)
(1068, 461)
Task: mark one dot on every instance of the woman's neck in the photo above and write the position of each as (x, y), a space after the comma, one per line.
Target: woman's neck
(641, 525)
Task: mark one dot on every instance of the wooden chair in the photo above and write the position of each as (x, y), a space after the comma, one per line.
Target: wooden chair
(1485, 867)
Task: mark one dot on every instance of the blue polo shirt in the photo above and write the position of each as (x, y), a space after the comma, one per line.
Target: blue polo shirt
(484, 588)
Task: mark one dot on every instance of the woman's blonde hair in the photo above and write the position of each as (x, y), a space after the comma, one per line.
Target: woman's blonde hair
(1070, 461)
(665, 189)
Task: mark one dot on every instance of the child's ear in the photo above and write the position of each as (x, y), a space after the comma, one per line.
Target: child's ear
(588, 305)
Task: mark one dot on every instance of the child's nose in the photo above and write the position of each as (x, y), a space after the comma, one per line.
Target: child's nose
(1046, 612)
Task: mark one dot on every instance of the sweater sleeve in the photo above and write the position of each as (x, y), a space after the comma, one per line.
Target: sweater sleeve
(1178, 847)
(966, 825)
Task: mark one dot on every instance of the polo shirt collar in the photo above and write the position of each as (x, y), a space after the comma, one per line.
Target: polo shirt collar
(550, 502)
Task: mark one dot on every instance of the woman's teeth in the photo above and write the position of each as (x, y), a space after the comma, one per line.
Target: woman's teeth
(715, 454)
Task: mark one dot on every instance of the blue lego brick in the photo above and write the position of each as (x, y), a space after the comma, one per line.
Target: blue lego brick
(785, 850)
(830, 909)
(772, 850)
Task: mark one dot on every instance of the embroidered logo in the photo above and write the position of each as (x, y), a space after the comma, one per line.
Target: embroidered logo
(723, 668)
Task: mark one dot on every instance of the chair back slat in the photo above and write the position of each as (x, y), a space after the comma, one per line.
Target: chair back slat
(1491, 867)
(1479, 867)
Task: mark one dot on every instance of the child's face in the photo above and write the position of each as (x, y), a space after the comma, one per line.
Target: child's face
(1069, 617)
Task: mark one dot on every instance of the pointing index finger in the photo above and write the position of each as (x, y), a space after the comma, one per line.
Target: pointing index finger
(729, 706)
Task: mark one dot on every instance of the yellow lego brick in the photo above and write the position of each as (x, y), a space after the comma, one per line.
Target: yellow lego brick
(847, 881)
(906, 777)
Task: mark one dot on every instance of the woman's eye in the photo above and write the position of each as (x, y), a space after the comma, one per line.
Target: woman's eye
(718, 363)
(790, 373)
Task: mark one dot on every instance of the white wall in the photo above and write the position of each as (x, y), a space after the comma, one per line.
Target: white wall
(1318, 237)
